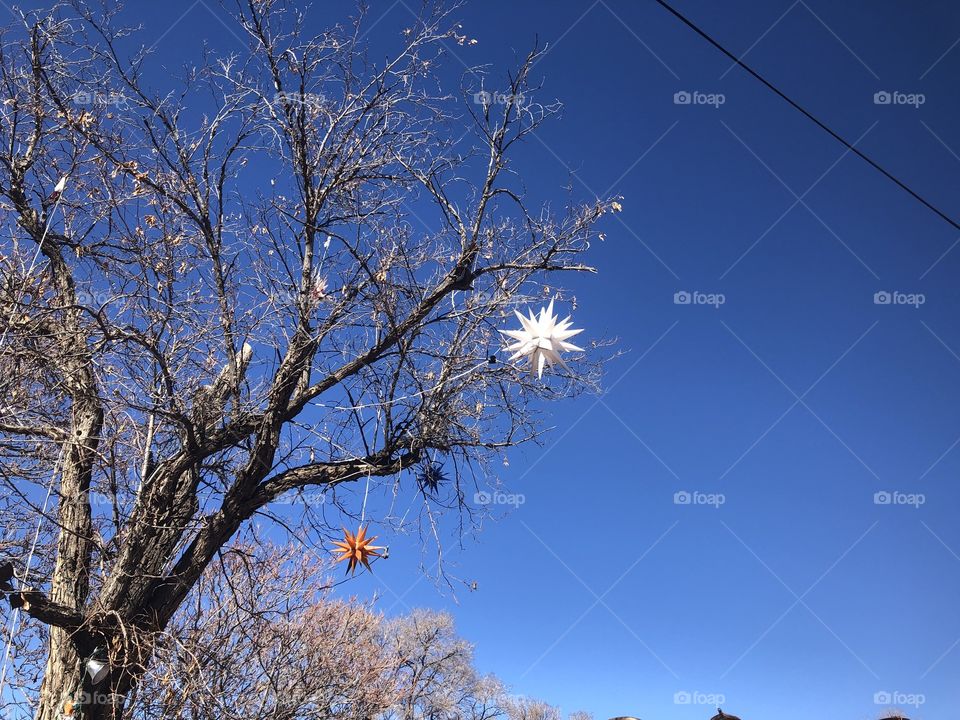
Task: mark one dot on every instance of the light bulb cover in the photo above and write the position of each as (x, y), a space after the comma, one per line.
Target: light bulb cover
(97, 669)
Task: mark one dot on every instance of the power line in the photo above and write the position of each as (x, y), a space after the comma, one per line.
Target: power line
(823, 126)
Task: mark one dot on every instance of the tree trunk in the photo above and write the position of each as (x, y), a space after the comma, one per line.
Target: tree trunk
(70, 584)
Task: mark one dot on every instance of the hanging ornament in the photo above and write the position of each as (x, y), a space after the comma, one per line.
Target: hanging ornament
(431, 476)
(542, 339)
(318, 288)
(6, 575)
(58, 189)
(357, 549)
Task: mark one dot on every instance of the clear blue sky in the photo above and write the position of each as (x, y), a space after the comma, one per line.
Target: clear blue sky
(797, 399)
(799, 596)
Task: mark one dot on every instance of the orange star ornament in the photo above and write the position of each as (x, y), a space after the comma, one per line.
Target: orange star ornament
(357, 549)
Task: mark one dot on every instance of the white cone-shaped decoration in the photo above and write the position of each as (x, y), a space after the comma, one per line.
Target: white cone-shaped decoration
(542, 339)
(97, 670)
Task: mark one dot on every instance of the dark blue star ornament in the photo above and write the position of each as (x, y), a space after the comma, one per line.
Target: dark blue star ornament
(431, 476)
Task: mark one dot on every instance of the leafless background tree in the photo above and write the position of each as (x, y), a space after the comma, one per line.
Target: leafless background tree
(262, 637)
(282, 270)
(524, 708)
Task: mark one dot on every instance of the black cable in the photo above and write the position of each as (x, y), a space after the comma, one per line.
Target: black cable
(689, 23)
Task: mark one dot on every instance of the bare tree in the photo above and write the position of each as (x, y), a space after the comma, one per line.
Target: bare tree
(261, 637)
(485, 701)
(436, 673)
(529, 709)
(284, 270)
